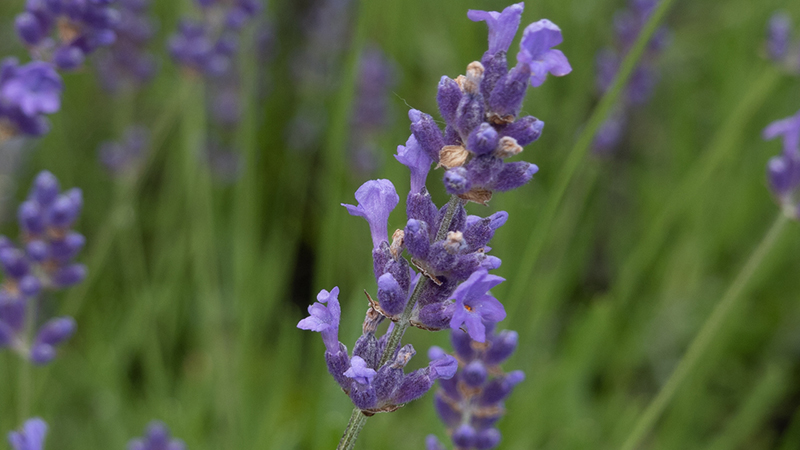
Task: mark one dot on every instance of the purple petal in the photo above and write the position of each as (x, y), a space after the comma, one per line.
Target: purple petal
(540, 37)
(502, 26)
(417, 160)
(376, 200)
(359, 371)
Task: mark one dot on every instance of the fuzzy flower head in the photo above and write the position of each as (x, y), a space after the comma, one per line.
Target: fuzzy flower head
(325, 319)
(502, 26)
(474, 304)
(538, 54)
(31, 437)
(376, 200)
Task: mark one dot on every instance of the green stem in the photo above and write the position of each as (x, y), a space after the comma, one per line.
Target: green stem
(705, 336)
(25, 373)
(581, 147)
(357, 419)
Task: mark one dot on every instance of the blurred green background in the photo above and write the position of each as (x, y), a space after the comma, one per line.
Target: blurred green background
(196, 284)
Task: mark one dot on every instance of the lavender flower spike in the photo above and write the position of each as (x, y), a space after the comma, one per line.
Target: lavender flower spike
(156, 437)
(502, 26)
(418, 162)
(31, 437)
(325, 320)
(35, 88)
(537, 52)
(474, 304)
(376, 200)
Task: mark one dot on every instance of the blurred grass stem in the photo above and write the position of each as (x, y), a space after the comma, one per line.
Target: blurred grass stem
(581, 148)
(357, 419)
(705, 336)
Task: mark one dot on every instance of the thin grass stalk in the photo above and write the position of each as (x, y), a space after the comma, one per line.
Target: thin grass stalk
(705, 336)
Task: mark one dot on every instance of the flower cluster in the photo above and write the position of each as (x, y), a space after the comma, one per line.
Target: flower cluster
(783, 171)
(372, 387)
(30, 437)
(371, 110)
(66, 31)
(471, 402)
(43, 262)
(448, 286)
(27, 93)
(207, 47)
(156, 437)
(125, 157)
(480, 110)
(127, 62)
(779, 45)
(628, 23)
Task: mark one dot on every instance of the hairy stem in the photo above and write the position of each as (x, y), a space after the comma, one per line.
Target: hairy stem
(357, 419)
(705, 336)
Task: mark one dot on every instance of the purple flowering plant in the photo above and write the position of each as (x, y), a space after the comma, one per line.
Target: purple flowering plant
(30, 437)
(781, 46)
(43, 261)
(28, 93)
(783, 171)
(434, 273)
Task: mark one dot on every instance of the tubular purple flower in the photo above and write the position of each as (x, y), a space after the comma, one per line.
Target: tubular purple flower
(31, 437)
(789, 128)
(417, 160)
(502, 26)
(325, 319)
(376, 200)
(359, 371)
(474, 305)
(538, 54)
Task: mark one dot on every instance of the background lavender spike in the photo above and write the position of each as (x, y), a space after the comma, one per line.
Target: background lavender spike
(127, 63)
(156, 437)
(45, 261)
(471, 403)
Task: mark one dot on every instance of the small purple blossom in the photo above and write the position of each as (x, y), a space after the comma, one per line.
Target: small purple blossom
(325, 319)
(502, 25)
(31, 437)
(27, 93)
(538, 54)
(474, 305)
(783, 171)
(156, 437)
(417, 160)
(376, 200)
(779, 36)
(359, 371)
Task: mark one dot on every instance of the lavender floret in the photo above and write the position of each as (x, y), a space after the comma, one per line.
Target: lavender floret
(156, 437)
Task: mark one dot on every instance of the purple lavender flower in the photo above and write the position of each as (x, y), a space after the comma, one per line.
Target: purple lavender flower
(31, 437)
(376, 200)
(779, 36)
(45, 262)
(783, 171)
(471, 402)
(27, 93)
(502, 26)
(325, 319)
(126, 63)
(474, 305)
(156, 437)
(65, 32)
(538, 54)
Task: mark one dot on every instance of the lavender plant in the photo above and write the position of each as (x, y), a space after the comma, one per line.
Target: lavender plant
(125, 158)
(30, 437)
(126, 64)
(156, 437)
(27, 94)
(65, 32)
(628, 24)
(448, 286)
(783, 171)
(471, 402)
(781, 48)
(43, 262)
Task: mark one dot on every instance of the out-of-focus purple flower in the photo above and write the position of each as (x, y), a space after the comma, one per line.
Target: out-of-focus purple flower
(779, 35)
(127, 62)
(376, 200)
(65, 32)
(502, 25)
(538, 54)
(27, 93)
(45, 262)
(783, 171)
(156, 437)
(474, 305)
(30, 437)
(126, 156)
